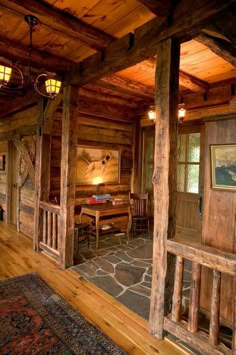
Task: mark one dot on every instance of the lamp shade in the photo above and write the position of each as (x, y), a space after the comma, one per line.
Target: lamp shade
(152, 113)
(181, 112)
(52, 86)
(5, 75)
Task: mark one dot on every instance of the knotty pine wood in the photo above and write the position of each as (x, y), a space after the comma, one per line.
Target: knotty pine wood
(219, 215)
(124, 327)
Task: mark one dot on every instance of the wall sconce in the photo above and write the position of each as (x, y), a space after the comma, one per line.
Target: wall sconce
(152, 113)
(181, 112)
(52, 83)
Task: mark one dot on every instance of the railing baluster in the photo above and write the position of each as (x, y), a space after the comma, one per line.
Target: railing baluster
(215, 308)
(177, 294)
(49, 242)
(54, 231)
(194, 298)
(44, 226)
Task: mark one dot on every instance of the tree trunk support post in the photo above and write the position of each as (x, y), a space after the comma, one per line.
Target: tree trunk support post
(68, 174)
(164, 176)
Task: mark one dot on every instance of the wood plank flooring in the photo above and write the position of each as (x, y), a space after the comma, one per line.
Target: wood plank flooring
(127, 329)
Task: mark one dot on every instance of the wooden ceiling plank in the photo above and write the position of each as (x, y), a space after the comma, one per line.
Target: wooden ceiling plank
(133, 48)
(186, 80)
(62, 22)
(222, 48)
(158, 7)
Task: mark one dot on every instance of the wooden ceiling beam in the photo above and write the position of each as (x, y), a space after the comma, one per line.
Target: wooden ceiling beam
(60, 21)
(158, 7)
(192, 83)
(16, 52)
(129, 85)
(142, 44)
(222, 48)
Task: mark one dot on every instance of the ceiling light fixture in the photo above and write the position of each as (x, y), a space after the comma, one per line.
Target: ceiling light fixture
(152, 113)
(52, 84)
(181, 112)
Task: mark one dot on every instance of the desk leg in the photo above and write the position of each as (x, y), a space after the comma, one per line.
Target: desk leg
(129, 222)
(97, 228)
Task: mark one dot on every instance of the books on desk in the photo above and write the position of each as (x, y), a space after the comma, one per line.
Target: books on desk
(106, 197)
(93, 201)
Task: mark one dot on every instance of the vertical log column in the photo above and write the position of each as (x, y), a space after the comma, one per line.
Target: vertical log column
(68, 173)
(42, 169)
(38, 177)
(164, 177)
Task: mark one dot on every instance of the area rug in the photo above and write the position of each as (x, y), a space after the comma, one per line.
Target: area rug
(35, 320)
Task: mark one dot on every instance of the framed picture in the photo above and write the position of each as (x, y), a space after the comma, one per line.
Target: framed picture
(97, 165)
(2, 162)
(223, 166)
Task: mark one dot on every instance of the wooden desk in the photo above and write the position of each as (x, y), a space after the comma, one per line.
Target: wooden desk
(105, 210)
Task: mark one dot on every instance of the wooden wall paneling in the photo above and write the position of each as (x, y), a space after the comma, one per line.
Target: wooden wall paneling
(219, 216)
(164, 176)
(68, 174)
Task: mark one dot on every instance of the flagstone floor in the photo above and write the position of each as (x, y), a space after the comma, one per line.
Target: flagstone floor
(121, 268)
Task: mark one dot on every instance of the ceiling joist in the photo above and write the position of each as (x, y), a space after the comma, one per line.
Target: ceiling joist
(142, 44)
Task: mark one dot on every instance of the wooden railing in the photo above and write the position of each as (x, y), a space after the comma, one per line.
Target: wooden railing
(49, 235)
(188, 331)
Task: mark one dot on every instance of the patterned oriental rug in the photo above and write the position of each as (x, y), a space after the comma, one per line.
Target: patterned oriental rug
(35, 320)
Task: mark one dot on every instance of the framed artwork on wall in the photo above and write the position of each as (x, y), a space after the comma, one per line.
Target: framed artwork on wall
(223, 166)
(2, 162)
(97, 165)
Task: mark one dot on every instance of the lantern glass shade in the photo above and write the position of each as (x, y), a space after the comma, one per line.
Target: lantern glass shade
(52, 86)
(181, 112)
(5, 74)
(152, 113)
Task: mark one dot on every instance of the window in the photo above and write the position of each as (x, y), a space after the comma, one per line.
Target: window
(188, 162)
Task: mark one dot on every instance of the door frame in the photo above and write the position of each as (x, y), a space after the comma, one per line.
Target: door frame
(9, 205)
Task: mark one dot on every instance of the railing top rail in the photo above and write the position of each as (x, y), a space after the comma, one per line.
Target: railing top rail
(204, 255)
(50, 207)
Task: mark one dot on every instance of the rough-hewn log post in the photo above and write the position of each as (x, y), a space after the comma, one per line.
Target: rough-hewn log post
(68, 172)
(38, 175)
(215, 308)
(164, 177)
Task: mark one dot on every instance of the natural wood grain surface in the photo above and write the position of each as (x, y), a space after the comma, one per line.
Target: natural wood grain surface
(127, 329)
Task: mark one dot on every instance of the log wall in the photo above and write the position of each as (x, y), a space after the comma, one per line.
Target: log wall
(20, 126)
(100, 125)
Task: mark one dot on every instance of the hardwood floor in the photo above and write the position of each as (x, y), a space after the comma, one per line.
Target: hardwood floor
(127, 329)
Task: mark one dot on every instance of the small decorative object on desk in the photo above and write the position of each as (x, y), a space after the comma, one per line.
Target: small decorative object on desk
(117, 201)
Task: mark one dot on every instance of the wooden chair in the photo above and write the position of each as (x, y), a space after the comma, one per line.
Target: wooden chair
(140, 219)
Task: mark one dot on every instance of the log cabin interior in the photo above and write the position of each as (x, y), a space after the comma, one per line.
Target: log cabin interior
(116, 61)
